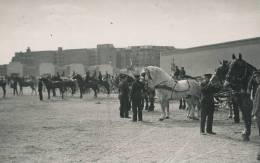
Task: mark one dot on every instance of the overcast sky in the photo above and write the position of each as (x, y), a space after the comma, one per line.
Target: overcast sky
(48, 24)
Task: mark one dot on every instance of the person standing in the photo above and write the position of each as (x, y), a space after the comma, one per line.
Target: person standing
(207, 105)
(177, 73)
(124, 97)
(136, 98)
(40, 85)
(256, 106)
(182, 73)
(14, 85)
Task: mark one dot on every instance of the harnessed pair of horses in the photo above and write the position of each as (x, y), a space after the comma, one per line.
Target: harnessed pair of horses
(237, 77)
(63, 85)
(91, 83)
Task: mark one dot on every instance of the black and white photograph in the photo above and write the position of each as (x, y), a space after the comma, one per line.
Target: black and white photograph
(130, 81)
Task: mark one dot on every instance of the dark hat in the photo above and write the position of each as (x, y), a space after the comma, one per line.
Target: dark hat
(207, 75)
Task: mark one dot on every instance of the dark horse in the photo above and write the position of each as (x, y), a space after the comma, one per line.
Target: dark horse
(224, 94)
(3, 85)
(68, 84)
(52, 85)
(83, 85)
(237, 78)
(104, 84)
(26, 83)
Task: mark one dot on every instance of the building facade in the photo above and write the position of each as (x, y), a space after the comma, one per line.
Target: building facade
(196, 60)
(35, 62)
(205, 59)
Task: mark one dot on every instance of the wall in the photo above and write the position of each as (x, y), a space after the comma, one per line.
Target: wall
(197, 63)
(15, 67)
(46, 68)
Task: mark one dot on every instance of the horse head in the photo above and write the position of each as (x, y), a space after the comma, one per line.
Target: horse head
(222, 71)
(77, 77)
(239, 74)
(155, 76)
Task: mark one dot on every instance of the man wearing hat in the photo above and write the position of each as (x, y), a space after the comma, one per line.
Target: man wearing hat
(207, 105)
(123, 97)
(256, 105)
(136, 98)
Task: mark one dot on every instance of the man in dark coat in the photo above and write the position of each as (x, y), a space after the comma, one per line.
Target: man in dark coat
(14, 85)
(207, 105)
(136, 98)
(182, 73)
(40, 85)
(124, 98)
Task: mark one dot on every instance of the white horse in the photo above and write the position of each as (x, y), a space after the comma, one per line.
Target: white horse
(169, 89)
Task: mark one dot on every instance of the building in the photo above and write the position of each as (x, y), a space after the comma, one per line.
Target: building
(196, 60)
(41, 62)
(3, 70)
(205, 59)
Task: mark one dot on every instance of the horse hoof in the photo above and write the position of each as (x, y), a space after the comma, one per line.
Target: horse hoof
(161, 119)
(167, 117)
(230, 117)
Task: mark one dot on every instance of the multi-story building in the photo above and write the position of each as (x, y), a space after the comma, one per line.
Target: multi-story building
(196, 60)
(105, 54)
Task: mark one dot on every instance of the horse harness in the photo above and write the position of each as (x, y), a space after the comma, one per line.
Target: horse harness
(162, 85)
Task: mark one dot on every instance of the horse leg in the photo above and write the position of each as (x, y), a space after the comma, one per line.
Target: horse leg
(163, 110)
(4, 91)
(21, 90)
(167, 104)
(190, 113)
(230, 115)
(81, 92)
(49, 92)
(61, 93)
(95, 92)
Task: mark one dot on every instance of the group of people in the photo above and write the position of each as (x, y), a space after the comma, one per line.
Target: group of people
(132, 98)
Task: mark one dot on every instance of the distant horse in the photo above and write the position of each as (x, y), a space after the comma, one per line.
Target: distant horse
(3, 85)
(52, 85)
(169, 89)
(83, 85)
(68, 83)
(237, 78)
(26, 83)
(104, 84)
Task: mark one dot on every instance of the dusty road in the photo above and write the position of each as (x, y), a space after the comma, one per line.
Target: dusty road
(84, 130)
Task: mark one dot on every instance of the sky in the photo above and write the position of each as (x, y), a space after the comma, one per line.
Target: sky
(49, 24)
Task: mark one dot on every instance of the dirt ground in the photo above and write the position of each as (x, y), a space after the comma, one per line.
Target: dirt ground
(90, 130)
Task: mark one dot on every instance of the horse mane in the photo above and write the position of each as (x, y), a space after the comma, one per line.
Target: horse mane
(159, 73)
